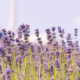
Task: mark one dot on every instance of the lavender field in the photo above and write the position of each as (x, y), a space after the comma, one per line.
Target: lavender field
(23, 60)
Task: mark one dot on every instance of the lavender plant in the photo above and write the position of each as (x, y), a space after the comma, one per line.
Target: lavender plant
(22, 60)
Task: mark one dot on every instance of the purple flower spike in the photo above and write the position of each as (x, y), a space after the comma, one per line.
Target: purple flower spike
(8, 71)
(59, 28)
(79, 78)
(3, 77)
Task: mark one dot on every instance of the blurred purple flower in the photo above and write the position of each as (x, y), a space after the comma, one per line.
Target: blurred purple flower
(8, 70)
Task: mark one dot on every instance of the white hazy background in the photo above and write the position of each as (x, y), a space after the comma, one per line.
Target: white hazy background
(11, 22)
(40, 14)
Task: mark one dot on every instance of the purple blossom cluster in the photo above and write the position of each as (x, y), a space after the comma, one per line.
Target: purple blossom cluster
(55, 59)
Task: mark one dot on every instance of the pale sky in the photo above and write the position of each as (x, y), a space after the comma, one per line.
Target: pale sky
(42, 14)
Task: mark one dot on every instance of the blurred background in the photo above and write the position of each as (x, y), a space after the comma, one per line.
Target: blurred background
(40, 14)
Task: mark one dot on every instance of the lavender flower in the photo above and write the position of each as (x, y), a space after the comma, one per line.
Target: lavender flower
(57, 64)
(51, 70)
(59, 29)
(53, 29)
(78, 63)
(22, 26)
(57, 54)
(8, 70)
(79, 78)
(9, 57)
(37, 32)
(9, 32)
(48, 31)
(3, 77)
(26, 35)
